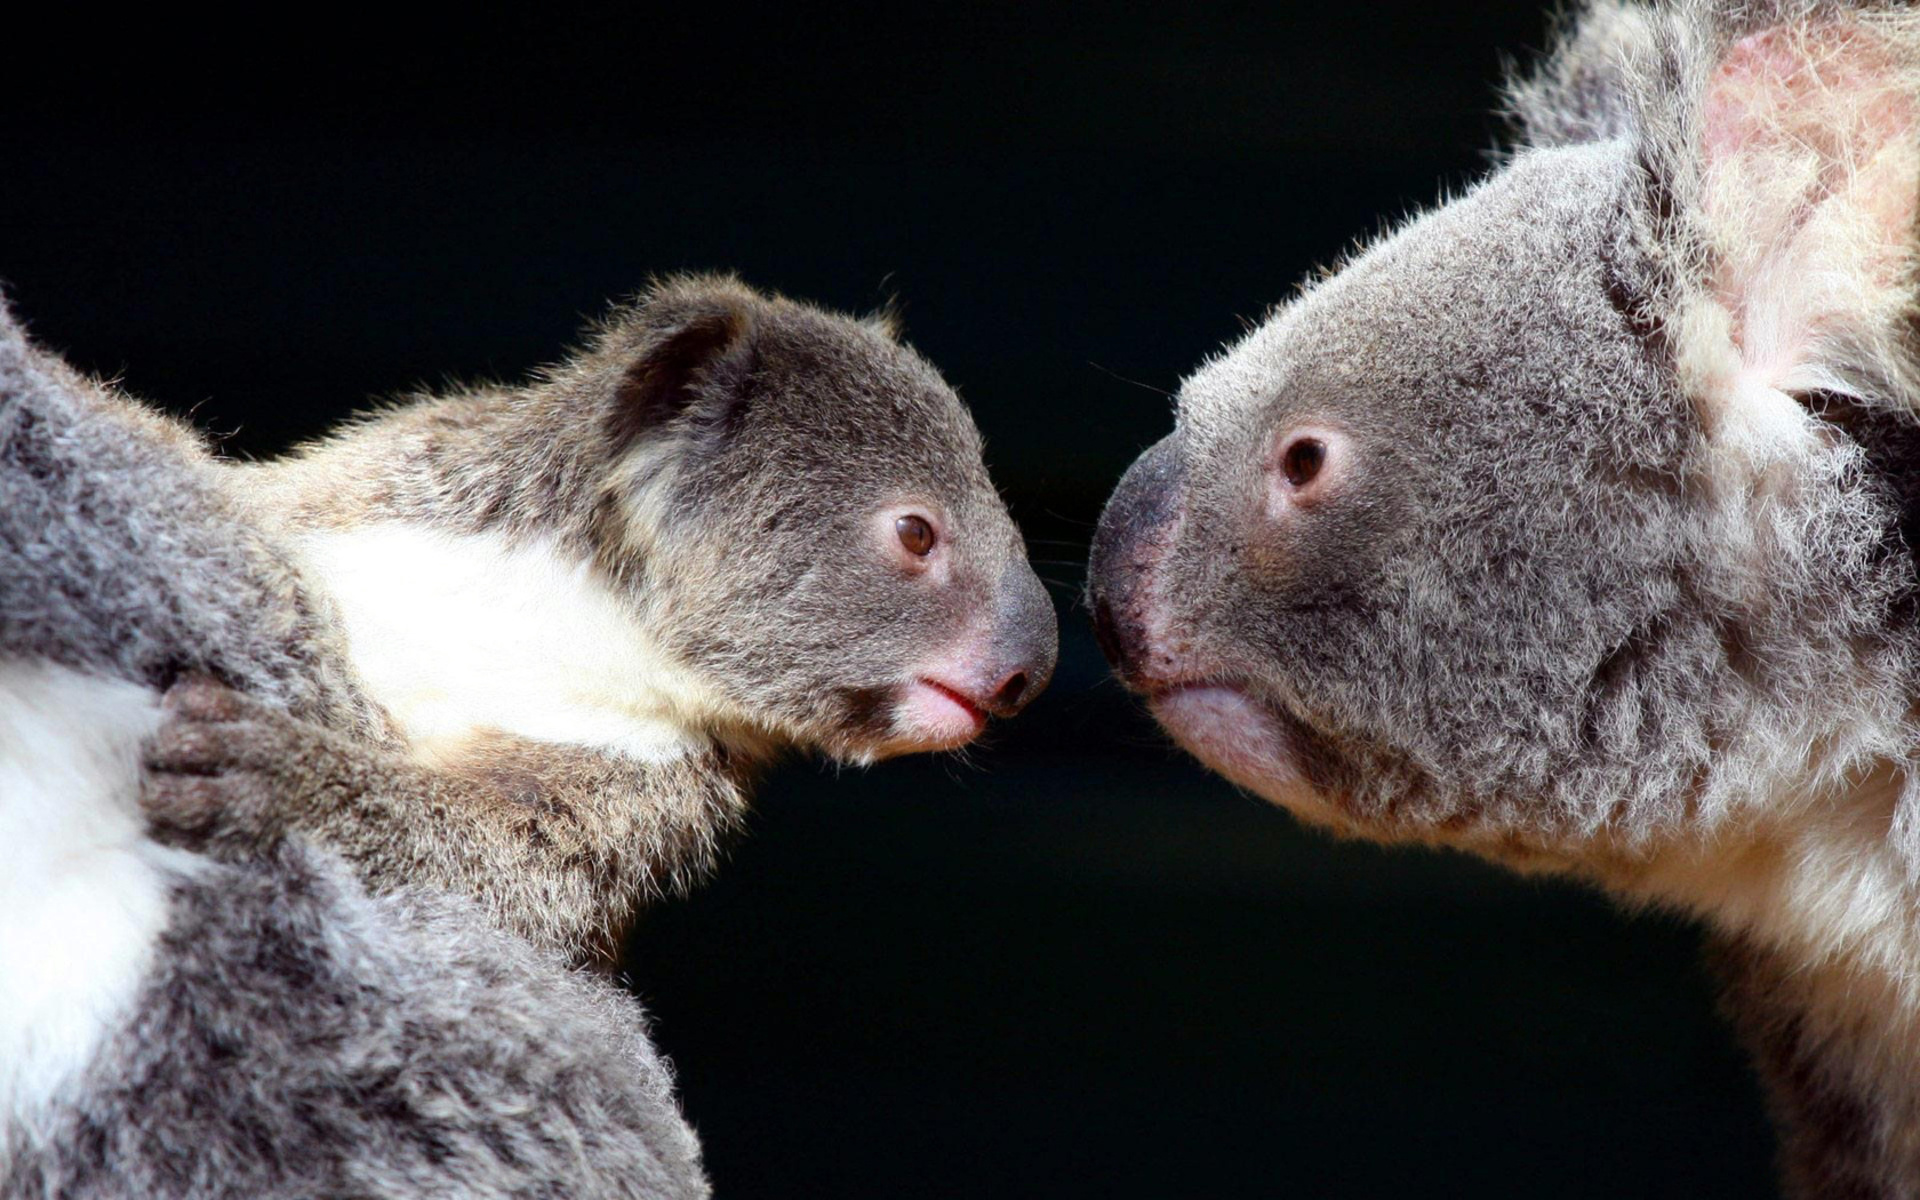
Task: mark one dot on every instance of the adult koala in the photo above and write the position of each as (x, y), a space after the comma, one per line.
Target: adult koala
(1574, 524)
(176, 1026)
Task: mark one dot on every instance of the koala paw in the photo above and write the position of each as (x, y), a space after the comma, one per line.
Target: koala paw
(218, 770)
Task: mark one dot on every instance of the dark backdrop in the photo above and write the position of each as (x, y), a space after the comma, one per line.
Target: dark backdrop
(1077, 966)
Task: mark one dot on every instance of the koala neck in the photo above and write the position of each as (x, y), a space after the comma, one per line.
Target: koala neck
(1814, 907)
(1835, 1050)
(1817, 880)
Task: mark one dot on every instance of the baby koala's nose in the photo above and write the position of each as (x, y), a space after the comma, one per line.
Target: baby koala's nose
(1009, 697)
(1026, 643)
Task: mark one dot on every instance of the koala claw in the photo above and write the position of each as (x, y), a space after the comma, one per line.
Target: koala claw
(184, 806)
(203, 698)
(209, 768)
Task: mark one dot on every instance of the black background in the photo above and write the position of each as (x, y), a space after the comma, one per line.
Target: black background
(1076, 965)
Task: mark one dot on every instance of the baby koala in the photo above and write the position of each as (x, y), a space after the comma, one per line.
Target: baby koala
(591, 607)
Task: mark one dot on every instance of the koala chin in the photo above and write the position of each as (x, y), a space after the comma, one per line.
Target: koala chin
(1573, 523)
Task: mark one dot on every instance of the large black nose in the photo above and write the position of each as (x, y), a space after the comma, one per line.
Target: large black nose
(1107, 633)
(1139, 520)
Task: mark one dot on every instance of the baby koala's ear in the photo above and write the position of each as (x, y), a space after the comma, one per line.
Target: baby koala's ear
(1807, 139)
(683, 348)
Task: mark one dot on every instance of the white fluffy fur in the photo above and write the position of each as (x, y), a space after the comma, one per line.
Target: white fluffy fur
(1810, 175)
(83, 892)
(458, 634)
(1813, 876)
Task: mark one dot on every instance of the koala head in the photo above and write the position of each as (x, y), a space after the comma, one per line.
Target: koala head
(798, 502)
(1573, 509)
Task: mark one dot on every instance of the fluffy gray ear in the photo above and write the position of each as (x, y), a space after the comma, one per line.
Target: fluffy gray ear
(1585, 90)
(691, 338)
(1805, 188)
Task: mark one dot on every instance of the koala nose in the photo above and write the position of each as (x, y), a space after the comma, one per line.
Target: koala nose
(1007, 699)
(1107, 635)
(1026, 640)
(1127, 544)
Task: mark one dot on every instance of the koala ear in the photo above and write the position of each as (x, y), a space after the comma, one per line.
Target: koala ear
(1584, 91)
(886, 321)
(690, 342)
(1808, 145)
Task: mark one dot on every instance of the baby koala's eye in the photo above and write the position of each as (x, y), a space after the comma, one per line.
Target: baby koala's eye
(915, 535)
(1301, 461)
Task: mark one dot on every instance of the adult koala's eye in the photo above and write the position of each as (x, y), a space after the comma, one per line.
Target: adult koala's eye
(915, 535)
(1301, 461)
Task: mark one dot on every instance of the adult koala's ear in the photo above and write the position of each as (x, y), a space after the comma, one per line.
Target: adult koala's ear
(1587, 89)
(1799, 164)
(681, 353)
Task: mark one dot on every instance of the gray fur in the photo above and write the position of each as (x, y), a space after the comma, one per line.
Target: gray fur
(297, 1038)
(92, 541)
(291, 1036)
(715, 455)
(1542, 448)
(1561, 602)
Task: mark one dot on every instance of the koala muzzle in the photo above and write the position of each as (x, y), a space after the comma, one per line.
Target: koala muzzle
(1133, 535)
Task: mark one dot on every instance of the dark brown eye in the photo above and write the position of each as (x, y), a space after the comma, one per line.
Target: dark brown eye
(1302, 461)
(915, 534)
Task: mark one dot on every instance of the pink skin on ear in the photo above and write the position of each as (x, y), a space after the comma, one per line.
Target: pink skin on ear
(1810, 184)
(1832, 93)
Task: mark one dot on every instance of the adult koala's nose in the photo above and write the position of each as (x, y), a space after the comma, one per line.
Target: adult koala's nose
(1026, 642)
(1132, 536)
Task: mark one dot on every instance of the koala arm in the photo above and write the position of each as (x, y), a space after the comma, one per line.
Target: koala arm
(559, 844)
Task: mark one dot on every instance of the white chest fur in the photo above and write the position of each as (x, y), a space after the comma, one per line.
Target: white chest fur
(1821, 884)
(83, 892)
(461, 633)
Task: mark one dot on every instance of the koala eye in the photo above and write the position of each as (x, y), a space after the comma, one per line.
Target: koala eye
(915, 534)
(1301, 461)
